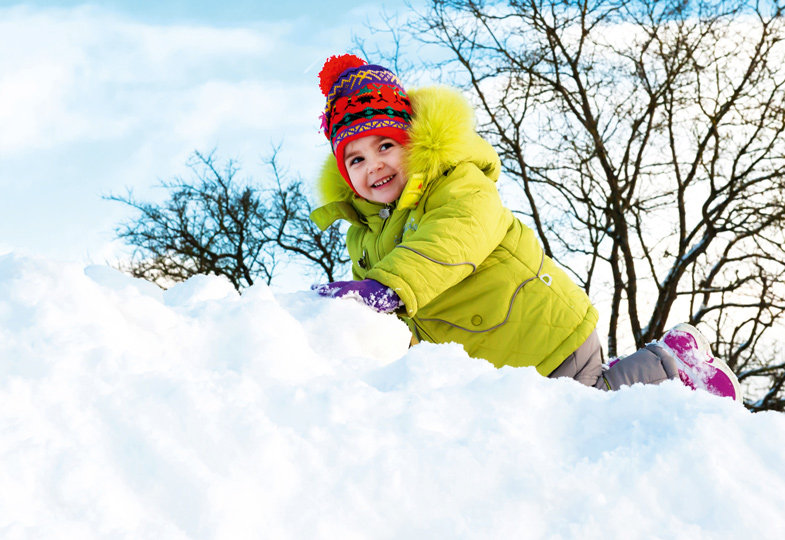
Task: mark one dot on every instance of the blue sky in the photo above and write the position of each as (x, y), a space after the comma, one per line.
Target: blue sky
(97, 98)
(230, 12)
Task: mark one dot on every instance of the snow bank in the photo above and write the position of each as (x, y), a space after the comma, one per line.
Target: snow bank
(129, 412)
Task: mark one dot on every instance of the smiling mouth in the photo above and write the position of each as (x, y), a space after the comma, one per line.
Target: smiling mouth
(383, 181)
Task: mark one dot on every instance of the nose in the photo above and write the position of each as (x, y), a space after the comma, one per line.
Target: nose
(375, 164)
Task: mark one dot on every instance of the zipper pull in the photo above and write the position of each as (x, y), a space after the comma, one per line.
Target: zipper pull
(385, 212)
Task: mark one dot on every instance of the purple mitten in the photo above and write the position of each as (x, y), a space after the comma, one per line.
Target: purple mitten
(368, 291)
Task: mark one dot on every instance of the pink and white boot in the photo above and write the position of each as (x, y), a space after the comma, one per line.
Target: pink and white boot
(698, 368)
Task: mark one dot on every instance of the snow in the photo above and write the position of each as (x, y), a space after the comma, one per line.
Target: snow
(130, 412)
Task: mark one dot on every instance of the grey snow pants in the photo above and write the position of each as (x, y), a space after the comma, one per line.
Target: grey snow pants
(650, 365)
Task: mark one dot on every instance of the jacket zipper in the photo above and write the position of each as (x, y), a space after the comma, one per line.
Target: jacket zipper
(385, 214)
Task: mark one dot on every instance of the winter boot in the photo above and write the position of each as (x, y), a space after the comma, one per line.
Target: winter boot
(697, 366)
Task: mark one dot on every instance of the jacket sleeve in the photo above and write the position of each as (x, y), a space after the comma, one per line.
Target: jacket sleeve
(463, 222)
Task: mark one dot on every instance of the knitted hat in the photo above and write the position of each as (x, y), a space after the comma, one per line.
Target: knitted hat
(362, 99)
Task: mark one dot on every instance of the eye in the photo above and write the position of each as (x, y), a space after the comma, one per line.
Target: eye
(355, 160)
(386, 146)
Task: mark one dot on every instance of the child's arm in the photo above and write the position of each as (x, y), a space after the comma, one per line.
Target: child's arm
(464, 221)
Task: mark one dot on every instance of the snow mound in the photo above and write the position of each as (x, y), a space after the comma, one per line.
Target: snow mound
(131, 412)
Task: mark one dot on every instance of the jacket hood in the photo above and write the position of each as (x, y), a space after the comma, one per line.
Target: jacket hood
(441, 136)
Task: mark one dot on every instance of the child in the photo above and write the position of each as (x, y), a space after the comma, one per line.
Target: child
(430, 240)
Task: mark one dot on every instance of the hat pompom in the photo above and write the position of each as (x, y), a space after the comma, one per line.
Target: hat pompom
(334, 66)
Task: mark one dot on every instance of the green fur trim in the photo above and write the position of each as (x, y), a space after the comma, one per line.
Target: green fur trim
(331, 186)
(440, 131)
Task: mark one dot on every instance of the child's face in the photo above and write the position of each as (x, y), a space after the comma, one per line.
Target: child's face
(375, 167)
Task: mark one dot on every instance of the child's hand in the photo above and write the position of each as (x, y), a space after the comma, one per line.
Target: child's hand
(368, 291)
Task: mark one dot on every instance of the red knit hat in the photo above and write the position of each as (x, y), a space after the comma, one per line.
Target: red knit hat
(362, 99)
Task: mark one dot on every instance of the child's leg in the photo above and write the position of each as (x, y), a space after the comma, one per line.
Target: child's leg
(585, 364)
(684, 354)
(651, 365)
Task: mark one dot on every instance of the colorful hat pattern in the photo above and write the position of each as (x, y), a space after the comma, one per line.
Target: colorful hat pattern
(362, 99)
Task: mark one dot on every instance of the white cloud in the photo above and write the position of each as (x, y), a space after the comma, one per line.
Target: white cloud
(84, 74)
(93, 102)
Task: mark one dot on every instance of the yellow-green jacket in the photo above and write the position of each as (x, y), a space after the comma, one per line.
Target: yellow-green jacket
(465, 268)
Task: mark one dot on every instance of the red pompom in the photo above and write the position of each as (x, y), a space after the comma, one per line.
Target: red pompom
(334, 66)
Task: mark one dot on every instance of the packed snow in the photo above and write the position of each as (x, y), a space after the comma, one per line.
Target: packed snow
(131, 412)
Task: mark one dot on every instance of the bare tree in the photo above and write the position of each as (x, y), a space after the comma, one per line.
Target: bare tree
(647, 141)
(214, 224)
(293, 231)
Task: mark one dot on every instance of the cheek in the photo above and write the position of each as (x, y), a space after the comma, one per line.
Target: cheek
(399, 161)
(353, 176)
